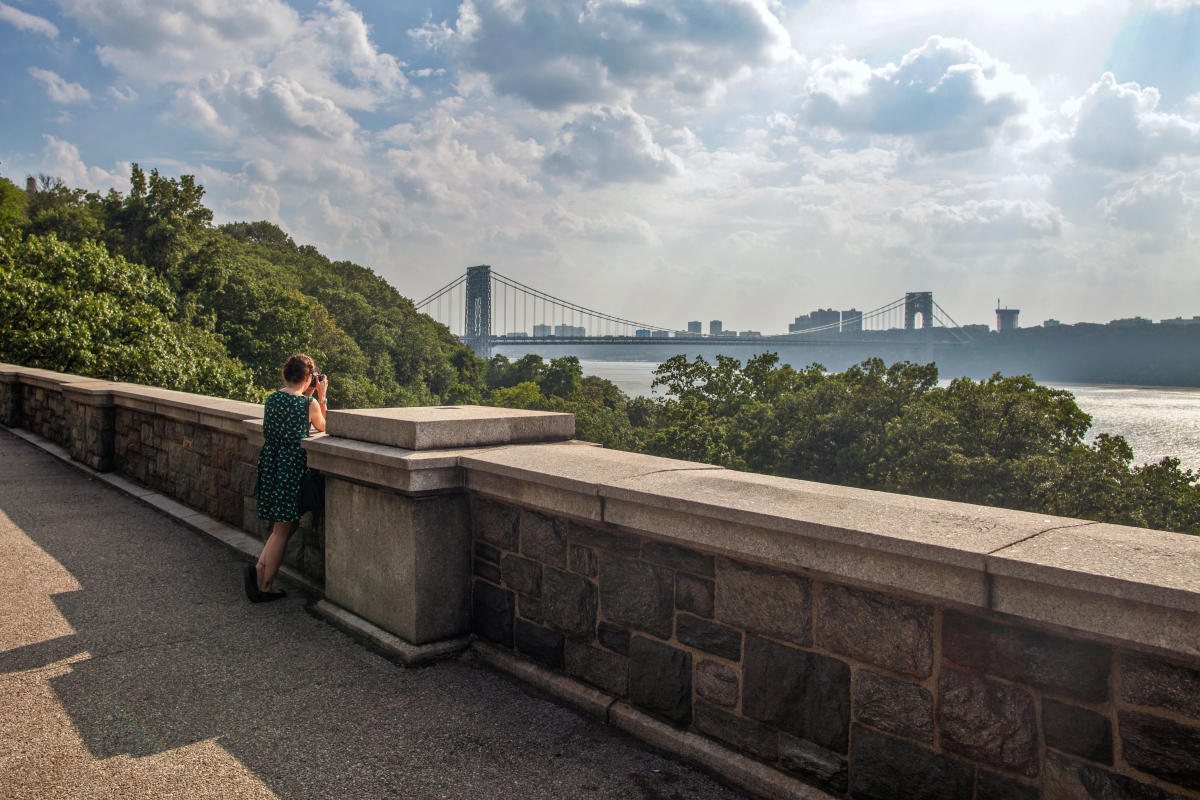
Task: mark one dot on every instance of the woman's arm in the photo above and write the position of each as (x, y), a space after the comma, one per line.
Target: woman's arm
(317, 408)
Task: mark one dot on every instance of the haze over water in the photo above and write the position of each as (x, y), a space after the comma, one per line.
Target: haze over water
(1156, 421)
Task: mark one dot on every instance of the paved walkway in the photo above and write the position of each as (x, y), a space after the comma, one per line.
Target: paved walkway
(132, 666)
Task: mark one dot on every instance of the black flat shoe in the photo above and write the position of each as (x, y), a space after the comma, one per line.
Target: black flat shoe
(266, 597)
(253, 593)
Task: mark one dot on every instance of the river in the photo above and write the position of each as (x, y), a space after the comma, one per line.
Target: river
(1156, 421)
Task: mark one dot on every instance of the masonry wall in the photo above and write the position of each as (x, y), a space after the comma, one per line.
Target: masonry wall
(863, 693)
(199, 451)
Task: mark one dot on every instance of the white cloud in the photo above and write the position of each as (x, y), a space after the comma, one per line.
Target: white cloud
(554, 54)
(609, 146)
(61, 159)
(622, 227)
(279, 106)
(983, 221)
(24, 21)
(58, 89)
(193, 110)
(1119, 127)
(947, 95)
(123, 94)
(1156, 208)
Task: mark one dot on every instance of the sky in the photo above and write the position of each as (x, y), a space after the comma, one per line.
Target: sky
(664, 161)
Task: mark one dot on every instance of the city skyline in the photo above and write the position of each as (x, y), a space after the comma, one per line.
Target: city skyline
(734, 159)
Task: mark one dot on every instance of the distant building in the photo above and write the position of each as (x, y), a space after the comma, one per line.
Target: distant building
(1130, 322)
(714, 327)
(659, 334)
(816, 319)
(516, 335)
(572, 331)
(696, 326)
(642, 333)
(542, 331)
(1051, 323)
(1181, 321)
(749, 334)
(975, 330)
(1006, 318)
(852, 321)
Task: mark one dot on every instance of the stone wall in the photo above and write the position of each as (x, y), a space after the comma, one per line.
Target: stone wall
(863, 693)
(199, 451)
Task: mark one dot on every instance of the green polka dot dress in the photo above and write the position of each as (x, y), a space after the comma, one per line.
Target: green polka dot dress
(282, 460)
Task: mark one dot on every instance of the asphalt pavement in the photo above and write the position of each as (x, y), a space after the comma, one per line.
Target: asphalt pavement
(131, 665)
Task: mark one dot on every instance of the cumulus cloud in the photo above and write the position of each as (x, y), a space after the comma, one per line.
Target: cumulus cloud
(553, 54)
(982, 221)
(59, 89)
(613, 228)
(1156, 208)
(61, 159)
(278, 107)
(609, 146)
(947, 95)
(1119, 127)
(24, 21)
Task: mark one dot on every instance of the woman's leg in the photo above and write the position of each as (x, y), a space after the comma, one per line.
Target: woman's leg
(272, 553)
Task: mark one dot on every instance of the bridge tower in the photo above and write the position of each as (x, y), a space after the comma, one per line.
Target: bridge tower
(918, 303)
(477, 327)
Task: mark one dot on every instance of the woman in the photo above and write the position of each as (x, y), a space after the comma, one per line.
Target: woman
(281, 463)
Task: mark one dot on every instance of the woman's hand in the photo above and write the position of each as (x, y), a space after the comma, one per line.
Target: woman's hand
(322, 387)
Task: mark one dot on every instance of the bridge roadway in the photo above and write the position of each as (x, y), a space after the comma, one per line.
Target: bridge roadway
(132, 666)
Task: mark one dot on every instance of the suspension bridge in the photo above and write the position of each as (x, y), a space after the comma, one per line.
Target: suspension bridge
(487, 309)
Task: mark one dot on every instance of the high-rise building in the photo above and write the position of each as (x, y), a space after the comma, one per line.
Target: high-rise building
(542, 331)
(815, 319)
(573, 331)
(1006, 318)
(696, 326)
(659, 334)
(852, 321)
(714, 327)
(642, 333)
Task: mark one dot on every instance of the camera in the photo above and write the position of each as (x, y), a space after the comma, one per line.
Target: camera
(316, 377)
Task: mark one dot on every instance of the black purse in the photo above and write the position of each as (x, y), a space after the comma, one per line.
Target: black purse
(312, 491)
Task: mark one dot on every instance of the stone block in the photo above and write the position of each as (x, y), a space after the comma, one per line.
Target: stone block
(492, 613)
(813, 764)
(569, 602)
(660, 679)
(1077, 731)
(1150, 682)
(625, 544)
(486, 552)
(402, 563)
(543, 539)
(1161, 747)
(739, 733)
(717, 683)
(987, 721)
(709, 636)
(486, 570)
(807, 694)
(531, 609)
(886, 768)
(993, 786)
(1042, 660)
(764, 601)
(583, 560)
(495, 523)
(540, 644)
(443, 427)
(613, 637)
(1070, 779)
(523, 575)
(876, 628)
(679, 558)
(694, 595)
(893, 706)
(637, 594)
(604, 670)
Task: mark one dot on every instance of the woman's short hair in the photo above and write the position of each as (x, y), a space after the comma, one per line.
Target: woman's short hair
(297, 368)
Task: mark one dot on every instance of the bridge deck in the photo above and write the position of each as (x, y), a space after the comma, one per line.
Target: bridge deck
(131, 666)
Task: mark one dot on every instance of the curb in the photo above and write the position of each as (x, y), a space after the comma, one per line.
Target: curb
(742, 772)
(410, 655)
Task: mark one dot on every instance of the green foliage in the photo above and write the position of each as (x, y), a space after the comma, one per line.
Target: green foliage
(77, 309)
(13, 209)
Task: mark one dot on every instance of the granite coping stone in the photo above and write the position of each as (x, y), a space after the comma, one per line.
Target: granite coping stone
(445, 427)
(941, 531)
(1149, 566)
(564, 467)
